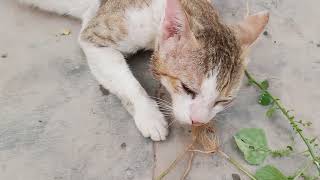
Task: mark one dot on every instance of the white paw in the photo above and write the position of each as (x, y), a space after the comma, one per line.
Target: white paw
(151, 123)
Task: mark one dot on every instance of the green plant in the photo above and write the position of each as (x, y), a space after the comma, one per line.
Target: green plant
(269, 173)
(267, 99)
(253, 143)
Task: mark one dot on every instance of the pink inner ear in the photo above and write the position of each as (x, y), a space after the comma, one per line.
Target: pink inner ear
(174, 19)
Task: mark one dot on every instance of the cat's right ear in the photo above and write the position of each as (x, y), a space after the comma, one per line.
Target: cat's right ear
(175, 22)
(251, 27)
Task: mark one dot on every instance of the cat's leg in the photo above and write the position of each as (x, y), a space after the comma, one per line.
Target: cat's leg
(111, 70)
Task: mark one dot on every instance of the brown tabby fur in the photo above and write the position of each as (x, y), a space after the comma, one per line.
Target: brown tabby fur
(108, 26)
(218, 49)
(215, 46)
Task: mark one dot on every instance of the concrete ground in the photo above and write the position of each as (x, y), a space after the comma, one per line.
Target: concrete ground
(56, 124)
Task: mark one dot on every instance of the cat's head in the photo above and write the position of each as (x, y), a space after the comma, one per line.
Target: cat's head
(201, 61)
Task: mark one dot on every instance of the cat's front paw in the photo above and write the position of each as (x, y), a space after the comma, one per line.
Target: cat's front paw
(152, 123)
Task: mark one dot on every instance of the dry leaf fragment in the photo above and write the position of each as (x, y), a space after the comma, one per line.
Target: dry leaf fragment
(65, 32)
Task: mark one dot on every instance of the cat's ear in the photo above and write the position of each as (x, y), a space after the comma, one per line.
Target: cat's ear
(175, 22)
(251, 27)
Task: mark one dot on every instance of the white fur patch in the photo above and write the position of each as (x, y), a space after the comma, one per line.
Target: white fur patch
(143, 27)
(202, 107)
(208, 89)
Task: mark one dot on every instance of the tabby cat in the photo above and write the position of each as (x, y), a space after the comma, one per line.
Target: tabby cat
(197, 57)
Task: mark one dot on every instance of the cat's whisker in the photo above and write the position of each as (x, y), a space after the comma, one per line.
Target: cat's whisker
(225, 109)
(165, 105)
(154, 97)
(229, 105)
(172, 122)
(160, 100)
(165, 109)
(167, 115)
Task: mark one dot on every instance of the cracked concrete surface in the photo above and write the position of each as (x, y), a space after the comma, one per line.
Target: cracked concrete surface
(57, 124)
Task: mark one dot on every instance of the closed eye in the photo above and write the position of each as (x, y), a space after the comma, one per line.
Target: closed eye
(223, 102)
(188, 90)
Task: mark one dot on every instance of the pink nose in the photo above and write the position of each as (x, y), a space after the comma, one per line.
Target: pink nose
(193, 119)
(196, 118)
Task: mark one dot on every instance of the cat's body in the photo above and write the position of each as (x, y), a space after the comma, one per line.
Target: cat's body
(197, 57)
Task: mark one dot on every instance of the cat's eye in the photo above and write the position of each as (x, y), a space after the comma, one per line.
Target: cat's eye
(223, 102)
(188, 90)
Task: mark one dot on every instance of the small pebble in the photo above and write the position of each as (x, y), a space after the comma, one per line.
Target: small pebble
(265, 33)
(129, 174)
(123, 145)
(40, 121)
(318, 45)
(236, 177)
(104, 91)
(274, 41)
(4, 55)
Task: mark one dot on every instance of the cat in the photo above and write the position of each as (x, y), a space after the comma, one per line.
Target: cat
(199, 59)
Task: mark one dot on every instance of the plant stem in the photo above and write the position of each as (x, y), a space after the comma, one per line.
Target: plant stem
(172, 165)
(238, 165)
(285, 112)
(301, 171)
(302, 152)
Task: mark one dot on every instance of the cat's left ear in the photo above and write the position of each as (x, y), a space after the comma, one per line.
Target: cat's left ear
(251, 27)
(175, 22)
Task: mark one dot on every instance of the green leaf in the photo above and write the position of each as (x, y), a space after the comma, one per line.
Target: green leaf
(281, 152)
(269, 173)
(290, 177)
(313, 140)
(253, 143)
(265, 84)
(265, 99)
(290, 148)
(270, 112)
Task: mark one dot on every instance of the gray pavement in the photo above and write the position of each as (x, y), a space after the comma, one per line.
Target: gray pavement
(56, 124)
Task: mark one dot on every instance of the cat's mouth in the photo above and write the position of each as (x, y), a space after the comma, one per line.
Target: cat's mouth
(197, 123)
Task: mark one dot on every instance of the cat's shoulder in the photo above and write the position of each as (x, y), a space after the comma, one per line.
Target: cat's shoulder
(129, 25)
